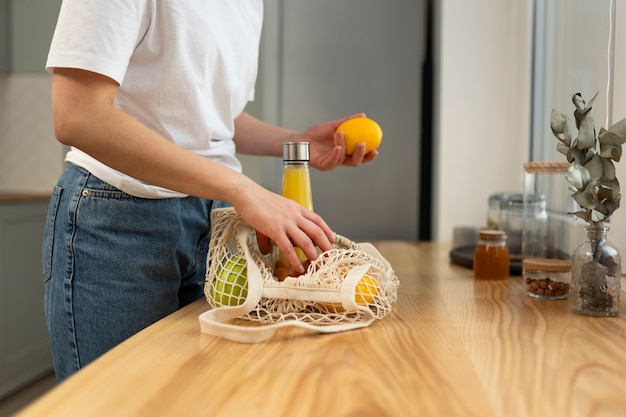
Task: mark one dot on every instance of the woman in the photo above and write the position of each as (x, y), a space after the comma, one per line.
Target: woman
(150, 96)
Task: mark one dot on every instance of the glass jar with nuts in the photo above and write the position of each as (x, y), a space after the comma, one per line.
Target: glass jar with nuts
(547, 279)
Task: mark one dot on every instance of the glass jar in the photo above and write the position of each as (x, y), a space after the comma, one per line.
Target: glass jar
(596, 274)
(491, 256)
(493, 209)
(524, 220)
(547, 279)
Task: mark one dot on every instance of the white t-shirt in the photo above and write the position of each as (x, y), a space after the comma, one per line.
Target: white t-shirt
(186, 69)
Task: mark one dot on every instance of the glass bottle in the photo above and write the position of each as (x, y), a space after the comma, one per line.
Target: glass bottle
(596, 273)
(491, 257)
(296, 185)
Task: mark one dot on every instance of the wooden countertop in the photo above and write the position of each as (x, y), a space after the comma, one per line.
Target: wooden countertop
(451, 347)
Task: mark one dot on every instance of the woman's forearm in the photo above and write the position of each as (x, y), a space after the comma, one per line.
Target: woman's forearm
(255, 137)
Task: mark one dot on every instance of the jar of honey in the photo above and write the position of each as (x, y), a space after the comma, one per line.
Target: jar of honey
(491, 257)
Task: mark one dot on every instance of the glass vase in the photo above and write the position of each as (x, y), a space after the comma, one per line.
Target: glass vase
(596, 273)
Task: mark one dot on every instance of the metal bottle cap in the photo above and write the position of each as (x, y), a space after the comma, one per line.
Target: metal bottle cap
(295, 151)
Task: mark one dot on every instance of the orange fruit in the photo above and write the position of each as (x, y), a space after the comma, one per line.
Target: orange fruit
(282, 268)
(360, 129)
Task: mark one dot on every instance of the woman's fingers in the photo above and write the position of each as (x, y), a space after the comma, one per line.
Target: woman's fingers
(309, 233)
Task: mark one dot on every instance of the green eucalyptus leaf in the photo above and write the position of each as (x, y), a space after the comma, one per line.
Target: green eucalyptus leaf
(562, 127)
(582, 110)
(596, 216)
(611, 143)
(585, 198)
(604, 194)
(608, 197)
(564, 149)
(586, 133)
(590, 104)
(610, 146)
(578, 156)
(578, 176)
(614, 205)
(608, 168)
(579, 103)
(557, 122)
(619, 129)
(611, 152)
(580, 214)
(606, 137)
(594, 167)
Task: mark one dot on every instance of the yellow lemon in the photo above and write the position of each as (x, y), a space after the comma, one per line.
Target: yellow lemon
(230, 286)
(364, 294)
(360, 129)
(365, 291)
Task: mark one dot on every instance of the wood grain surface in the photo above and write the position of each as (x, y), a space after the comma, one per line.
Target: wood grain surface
(452, 346)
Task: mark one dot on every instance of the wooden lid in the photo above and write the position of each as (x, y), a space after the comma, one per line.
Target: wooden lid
(547, 264)
(546, 167)
(489, 234)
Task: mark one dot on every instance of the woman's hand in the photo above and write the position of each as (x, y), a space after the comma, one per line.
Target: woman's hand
(283, 221)
(254, 137)
(325, 154)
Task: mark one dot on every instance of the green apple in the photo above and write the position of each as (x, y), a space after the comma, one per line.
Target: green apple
(230, 285)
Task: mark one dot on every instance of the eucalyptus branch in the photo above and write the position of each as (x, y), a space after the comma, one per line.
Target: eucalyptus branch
(592, 174)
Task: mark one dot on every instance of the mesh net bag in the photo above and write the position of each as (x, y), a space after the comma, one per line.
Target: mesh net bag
(345, 288)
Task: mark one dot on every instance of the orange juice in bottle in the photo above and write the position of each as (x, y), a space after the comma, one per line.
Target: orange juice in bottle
(296, 186)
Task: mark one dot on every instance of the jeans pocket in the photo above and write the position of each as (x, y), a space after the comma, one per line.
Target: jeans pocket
(48, 234)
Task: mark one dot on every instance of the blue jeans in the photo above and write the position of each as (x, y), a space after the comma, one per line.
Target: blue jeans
(114, 264)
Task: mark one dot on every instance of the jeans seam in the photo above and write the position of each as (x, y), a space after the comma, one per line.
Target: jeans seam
(69, 278)
(50, 231)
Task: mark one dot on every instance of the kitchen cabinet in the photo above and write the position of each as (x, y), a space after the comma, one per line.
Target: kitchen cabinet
(26, 28)
(24, 342)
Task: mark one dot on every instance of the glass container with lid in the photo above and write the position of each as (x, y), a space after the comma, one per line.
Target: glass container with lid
(547, 279)
(524, 220)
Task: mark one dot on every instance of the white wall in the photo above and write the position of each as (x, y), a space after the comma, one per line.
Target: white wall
(618, 220)
(483, 121)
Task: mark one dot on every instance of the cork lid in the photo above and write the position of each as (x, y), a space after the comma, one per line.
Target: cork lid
(547, 264)
(491, 235)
